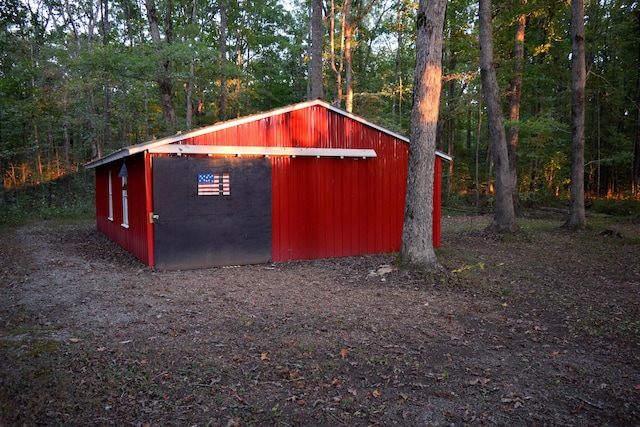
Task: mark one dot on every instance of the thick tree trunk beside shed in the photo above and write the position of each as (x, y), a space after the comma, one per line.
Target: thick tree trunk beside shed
(417, 233)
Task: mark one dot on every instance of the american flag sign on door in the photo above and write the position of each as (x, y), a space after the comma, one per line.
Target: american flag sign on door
(214, 184)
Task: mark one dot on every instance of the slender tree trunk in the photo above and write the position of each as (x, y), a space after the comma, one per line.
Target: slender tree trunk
(348, 70)
(192, 72)
(577, 217)
(514, 105)
(164, 82)
(350, 25)
(504, 217)
(222, 115)
(397, 111)
(189, 94)
(316, 50)
(417, 234)
(477, 156)
(337, 69)
(106, 112)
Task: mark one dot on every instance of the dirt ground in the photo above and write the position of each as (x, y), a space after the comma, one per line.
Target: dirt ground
(541, 328)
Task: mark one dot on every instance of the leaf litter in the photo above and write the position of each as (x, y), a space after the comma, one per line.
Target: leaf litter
(511, 333)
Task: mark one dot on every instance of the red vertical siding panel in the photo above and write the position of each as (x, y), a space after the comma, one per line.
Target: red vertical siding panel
(340, 214)
(437, 199)
(297, 228)
(401, 165)
(281, 192)
(320, 202)
(358, 219)
(277, 212)
(373, 214)
(385, 196)
(381, 200)
(346, 204)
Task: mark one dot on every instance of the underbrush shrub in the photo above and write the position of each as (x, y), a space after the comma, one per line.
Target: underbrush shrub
(70, 196)
(625, 208)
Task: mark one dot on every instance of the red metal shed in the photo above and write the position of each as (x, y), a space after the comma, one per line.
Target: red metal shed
(300, 182)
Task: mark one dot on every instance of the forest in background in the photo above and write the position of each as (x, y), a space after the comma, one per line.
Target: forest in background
(80, 79)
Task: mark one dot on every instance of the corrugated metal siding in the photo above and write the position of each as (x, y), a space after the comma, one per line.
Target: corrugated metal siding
(327, 207)
(135, 238)
(338, 207)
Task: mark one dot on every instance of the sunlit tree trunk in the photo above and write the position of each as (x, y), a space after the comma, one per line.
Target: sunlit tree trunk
(316, 50)
(504, 216)
(514, 105)
(417, 233)
(348, 61)
(577, 216)
(337, 69)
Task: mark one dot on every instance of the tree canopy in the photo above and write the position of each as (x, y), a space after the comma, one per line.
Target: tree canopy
(83, 78)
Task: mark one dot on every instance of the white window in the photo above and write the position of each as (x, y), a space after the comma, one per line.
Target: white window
(125, 203)
(110, 217)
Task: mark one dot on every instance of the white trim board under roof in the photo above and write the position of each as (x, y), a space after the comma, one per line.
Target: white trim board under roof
(234, 150)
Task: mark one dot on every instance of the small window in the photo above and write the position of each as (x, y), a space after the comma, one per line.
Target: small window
(125, 203)
(110, 217)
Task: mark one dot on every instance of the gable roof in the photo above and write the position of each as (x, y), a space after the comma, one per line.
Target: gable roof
(150, 145)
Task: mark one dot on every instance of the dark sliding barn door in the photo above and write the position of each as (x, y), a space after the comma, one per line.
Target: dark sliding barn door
(211, 211)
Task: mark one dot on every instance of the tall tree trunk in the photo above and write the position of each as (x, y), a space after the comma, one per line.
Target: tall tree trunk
(337, 69)
(164, 81)
(350, 25)
(397, 111)
(514, 105)
(417, 234)
(222, 115)
(504, 218)
(316, 50)
(192, 72)
(348, 61)
(189, 94)
(106, 114)
(577, 217)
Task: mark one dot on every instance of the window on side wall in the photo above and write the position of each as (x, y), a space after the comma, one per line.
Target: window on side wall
(110, 217)
(125, 203)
